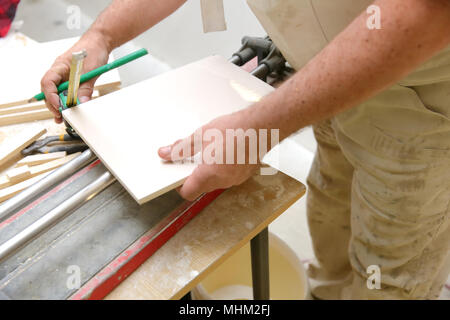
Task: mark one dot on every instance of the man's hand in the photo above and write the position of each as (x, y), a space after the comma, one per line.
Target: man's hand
(97, 55)
(209, 175)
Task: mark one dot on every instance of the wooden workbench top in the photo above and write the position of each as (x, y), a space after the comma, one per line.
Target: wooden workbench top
(215, 234)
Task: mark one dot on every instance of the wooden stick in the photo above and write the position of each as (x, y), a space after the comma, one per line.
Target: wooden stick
(18, 174)
(35, 170)
(4, 182)
(40, 158)
(9, 192)
(22, 117)
(30, 172)
(23, 108)
(13, 104)
(13, 147)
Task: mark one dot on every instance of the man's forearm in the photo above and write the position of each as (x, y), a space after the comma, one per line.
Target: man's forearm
(123, 20)
(358, 64)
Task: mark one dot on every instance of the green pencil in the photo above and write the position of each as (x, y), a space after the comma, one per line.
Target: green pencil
(96, 72)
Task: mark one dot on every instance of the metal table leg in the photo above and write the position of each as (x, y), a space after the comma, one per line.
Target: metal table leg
(260, 265)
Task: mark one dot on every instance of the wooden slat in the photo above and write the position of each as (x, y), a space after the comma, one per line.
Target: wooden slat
(23, 108)
(4, 182)
(18, 174)
(14, 145)
(23, 117)
(11, 191)
(33, 171)
(37, 159)
(13, 104)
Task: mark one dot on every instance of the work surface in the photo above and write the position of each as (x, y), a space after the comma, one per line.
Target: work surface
(210, 238)
(126, 128)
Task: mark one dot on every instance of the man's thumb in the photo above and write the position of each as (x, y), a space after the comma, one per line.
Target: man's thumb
(179, 150)
(85, 91)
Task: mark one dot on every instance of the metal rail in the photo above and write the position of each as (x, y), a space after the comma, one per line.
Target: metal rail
(20, 200)
(55, 215)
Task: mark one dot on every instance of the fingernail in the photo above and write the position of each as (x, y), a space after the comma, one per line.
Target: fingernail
(83, 99)
(165, 151)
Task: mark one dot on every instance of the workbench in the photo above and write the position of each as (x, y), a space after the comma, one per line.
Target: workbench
(227, 224)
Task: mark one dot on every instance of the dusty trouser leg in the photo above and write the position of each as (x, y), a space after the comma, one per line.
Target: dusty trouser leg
(400, 150)
(328, 209)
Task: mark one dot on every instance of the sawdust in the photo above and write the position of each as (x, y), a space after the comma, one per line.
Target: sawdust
(249, 225)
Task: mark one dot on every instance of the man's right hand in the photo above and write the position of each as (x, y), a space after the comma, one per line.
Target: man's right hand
(97, 55)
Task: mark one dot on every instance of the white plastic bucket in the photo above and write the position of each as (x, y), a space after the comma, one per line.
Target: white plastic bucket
(232, 280)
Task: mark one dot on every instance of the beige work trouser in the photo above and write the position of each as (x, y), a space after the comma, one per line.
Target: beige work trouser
(379, 194)
(379, 188)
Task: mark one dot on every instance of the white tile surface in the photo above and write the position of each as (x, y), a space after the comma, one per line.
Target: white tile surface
(157, 112)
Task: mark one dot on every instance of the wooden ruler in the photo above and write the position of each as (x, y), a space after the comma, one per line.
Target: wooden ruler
(76, 67)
